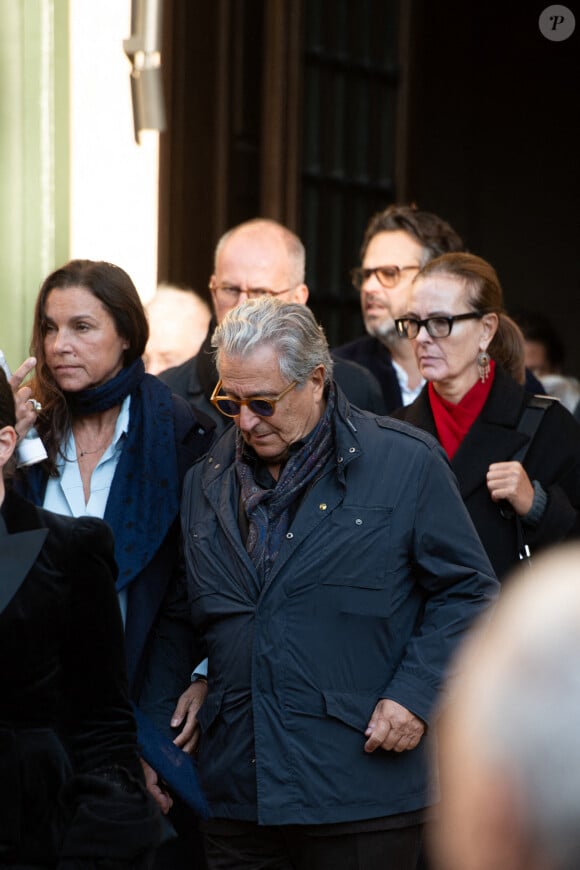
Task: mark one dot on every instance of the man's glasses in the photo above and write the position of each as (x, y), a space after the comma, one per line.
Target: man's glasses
(388, 276)
(437, 327)
(260, 405)
(231, 294)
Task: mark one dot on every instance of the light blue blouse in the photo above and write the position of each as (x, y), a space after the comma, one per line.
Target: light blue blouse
(64, 494)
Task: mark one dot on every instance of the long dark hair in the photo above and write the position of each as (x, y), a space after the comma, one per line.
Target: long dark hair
(113, 287)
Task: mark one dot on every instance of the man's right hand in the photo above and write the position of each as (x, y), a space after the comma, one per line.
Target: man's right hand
(186, 711)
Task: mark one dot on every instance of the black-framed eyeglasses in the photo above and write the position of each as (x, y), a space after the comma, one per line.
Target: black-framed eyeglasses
(387, 276)
(261, 405)
(231, 294)
(437, 326)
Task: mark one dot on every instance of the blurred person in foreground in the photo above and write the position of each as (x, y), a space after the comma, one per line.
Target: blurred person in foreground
(472, 356)
(510, 735)
(331, 569)
(253, 260)
(72, 792)
(178, 322)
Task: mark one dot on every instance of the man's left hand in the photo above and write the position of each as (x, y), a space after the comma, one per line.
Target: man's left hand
(394, 727)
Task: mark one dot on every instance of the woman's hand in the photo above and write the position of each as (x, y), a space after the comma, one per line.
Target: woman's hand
(508, 480)
(159, 794)
(26, 412)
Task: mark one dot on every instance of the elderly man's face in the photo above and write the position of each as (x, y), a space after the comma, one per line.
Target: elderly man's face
(295, 415)
(380, 305)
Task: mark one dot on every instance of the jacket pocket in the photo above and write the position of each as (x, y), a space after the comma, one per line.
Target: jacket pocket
(353, 710)
(358, 547)
(209, 710)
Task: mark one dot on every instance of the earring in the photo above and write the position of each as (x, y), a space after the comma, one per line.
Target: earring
(483, 359)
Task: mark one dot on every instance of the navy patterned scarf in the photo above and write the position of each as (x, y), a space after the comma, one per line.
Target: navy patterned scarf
(143, 500)
(268, 510)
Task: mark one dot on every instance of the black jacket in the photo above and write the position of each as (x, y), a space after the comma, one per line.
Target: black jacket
(553, 459)
(374, 356)
(71, 783)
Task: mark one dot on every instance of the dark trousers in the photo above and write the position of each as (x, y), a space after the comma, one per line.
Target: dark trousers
(291, 848)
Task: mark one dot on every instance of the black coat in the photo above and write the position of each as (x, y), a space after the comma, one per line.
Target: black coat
(553, 459)
(70, 779)
(376, 357)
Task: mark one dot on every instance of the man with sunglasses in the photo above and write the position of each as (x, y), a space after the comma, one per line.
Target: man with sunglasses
(397, 243)
(330, 595)
(255, 259)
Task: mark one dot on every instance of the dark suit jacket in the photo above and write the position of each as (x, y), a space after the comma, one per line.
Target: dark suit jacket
(374, 356)
(553, 459)
(67, 733)
(196, 378)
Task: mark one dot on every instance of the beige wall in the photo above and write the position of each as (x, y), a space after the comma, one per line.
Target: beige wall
(73, 181)
(33, 159)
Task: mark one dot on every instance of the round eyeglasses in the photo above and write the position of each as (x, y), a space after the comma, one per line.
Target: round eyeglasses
(387, 276)
(437, 327)
(260, 405)
(231, 294)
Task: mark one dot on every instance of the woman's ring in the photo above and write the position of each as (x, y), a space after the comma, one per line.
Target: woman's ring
(36, 405)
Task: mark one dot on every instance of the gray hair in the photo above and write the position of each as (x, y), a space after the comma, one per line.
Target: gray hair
(291, 329)
(294, 247)
(526, 697)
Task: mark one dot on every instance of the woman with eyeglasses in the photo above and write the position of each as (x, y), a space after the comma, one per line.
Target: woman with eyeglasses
(72, 794)
(518, 469)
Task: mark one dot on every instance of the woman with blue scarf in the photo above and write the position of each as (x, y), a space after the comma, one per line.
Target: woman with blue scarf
(118, 442)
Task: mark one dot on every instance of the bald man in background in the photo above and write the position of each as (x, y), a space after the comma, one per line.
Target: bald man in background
(260, 257)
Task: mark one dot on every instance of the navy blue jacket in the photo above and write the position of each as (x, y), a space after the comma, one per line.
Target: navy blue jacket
(380, 574)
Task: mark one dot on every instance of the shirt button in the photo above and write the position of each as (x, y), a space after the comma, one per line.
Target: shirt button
(358, 522)
(352, 449)
(322, 506)
(289, 535)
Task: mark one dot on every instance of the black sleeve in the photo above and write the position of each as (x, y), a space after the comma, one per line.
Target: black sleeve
(110, 817)
(194, 434)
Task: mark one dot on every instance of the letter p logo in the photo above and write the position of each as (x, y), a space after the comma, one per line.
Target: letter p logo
(557, 23)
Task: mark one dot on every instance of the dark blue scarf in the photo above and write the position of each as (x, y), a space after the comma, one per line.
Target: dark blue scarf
(143, 500)
(268, 510)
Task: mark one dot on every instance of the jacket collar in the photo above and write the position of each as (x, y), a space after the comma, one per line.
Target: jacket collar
(19, 514)
(222, 453)
(21, 539)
